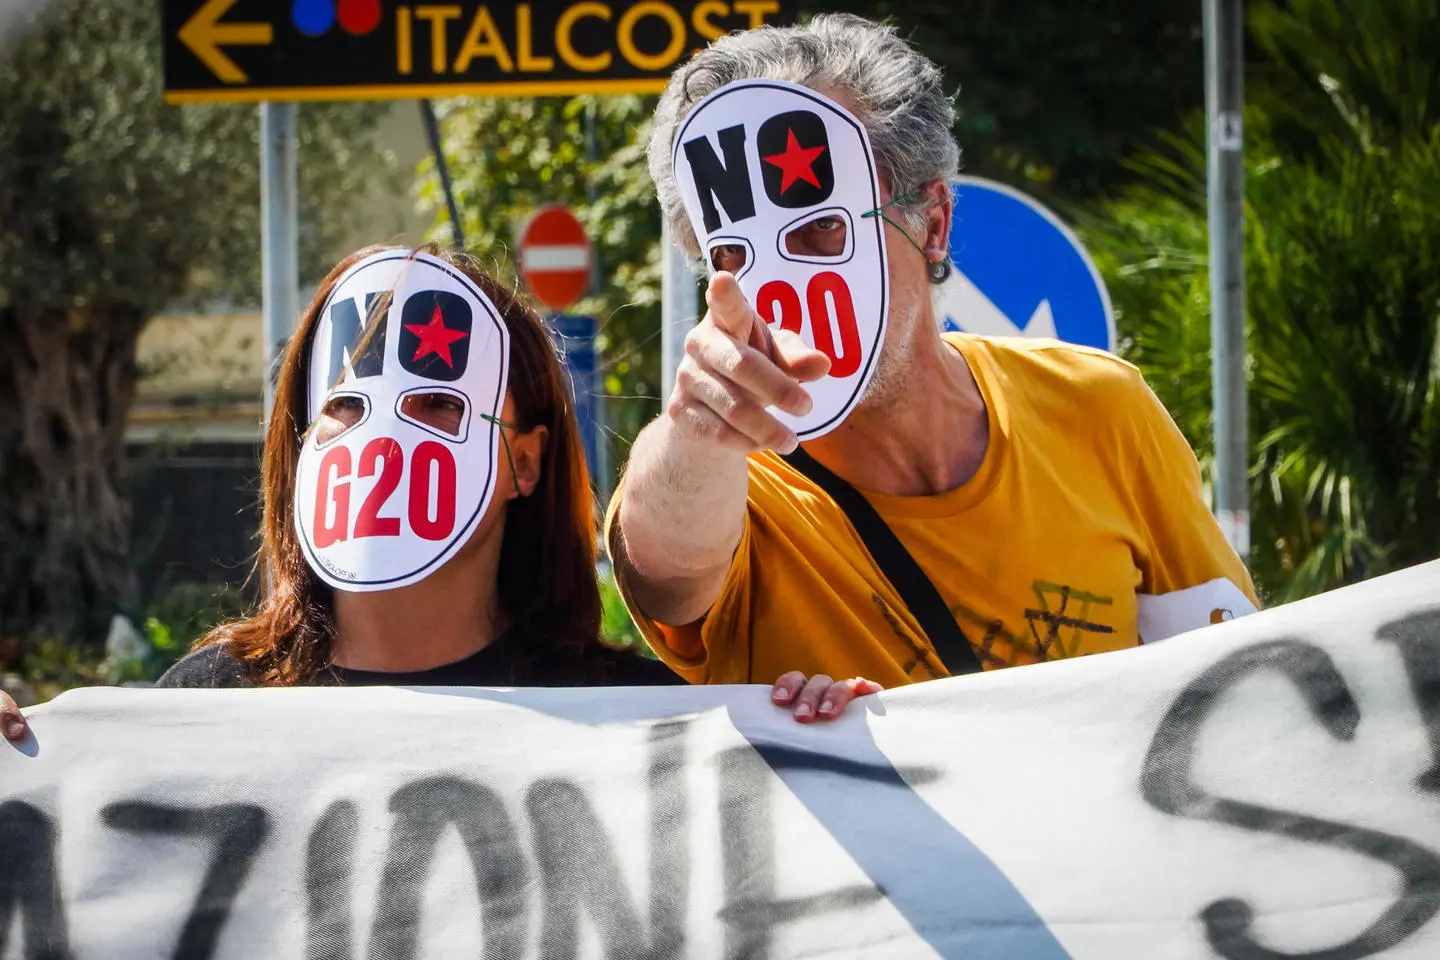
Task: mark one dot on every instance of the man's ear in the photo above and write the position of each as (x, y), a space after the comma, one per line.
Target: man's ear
(528, 452)
(939, 206)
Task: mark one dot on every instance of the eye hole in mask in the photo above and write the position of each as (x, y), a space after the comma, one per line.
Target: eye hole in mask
(439, 411)
(342, 413)
(821, 237)
(731, 254)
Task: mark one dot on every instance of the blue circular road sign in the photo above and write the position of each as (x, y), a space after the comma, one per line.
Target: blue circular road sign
(1020, 271)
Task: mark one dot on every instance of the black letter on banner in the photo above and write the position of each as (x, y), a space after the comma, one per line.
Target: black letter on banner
(423, 809)
(329, 867)
(579, 868)
(1418, 638)
(238, 829)
(30, 883)
(728, 182)
(747, 837)
(1167, 785)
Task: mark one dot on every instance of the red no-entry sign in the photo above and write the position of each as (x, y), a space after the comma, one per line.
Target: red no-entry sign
(555, 257)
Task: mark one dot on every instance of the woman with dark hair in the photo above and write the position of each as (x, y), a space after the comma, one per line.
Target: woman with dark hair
(465, 553)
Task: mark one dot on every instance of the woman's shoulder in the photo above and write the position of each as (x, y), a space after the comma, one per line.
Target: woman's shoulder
(208, 668)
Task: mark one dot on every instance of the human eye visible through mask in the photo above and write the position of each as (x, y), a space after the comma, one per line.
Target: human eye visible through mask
(824, 237)
(444, 412)
(730, 257)
(341, 413)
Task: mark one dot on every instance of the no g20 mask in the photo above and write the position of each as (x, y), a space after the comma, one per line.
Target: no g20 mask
(390, 499)
(765, 169)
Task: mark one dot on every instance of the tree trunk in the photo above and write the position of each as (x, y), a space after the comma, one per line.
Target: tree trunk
(67, 377)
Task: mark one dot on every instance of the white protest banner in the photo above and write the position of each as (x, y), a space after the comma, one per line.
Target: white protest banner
(1264, 788)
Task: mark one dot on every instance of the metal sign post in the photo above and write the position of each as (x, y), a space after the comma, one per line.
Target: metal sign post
(679, 309)
(597, 288)
(576, 337)
(279, 231)
(1224, 103)
(437, 150)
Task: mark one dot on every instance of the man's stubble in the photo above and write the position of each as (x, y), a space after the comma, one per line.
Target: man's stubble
(889, 381)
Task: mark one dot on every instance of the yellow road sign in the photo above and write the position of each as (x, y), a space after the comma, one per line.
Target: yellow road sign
(250, 50)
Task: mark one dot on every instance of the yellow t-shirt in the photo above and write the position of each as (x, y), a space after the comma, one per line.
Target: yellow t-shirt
(1087, 504)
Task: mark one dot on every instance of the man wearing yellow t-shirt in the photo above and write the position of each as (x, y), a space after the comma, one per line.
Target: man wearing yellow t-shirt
(1041, 488)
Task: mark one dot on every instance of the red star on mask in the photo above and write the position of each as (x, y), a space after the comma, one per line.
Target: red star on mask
(796, 163)
(435, 337)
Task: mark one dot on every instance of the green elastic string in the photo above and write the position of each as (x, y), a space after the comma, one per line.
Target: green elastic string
(904, 198)
(504, 438)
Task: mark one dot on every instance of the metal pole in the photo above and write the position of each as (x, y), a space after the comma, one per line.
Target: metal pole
(592, 153)
(279, 232)
(432, 132)
(1224, 101)
(679, 308)
(602, 441)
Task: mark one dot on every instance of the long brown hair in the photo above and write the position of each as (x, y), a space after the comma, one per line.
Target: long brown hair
(547, 557)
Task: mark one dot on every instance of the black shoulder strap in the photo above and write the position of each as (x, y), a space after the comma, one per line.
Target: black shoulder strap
(890, 555)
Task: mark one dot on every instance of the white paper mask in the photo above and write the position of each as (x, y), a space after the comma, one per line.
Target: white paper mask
(391, 499)
(757, 160)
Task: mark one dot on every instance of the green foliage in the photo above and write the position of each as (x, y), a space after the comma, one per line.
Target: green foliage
(108, 195)
(1343, 234)
(615, 624)
(173, 623)
(171, 626)
(1051, 95)
(508, 157)
(114, 205)
(51, 667)
(1365, 71)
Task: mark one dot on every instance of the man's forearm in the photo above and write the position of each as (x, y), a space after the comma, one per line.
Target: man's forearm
(680, 519)
(683, 510)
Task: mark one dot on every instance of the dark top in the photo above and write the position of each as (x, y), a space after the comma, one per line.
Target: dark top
(501, 664)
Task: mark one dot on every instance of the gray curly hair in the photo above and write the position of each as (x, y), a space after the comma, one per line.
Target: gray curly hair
(896, 90)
